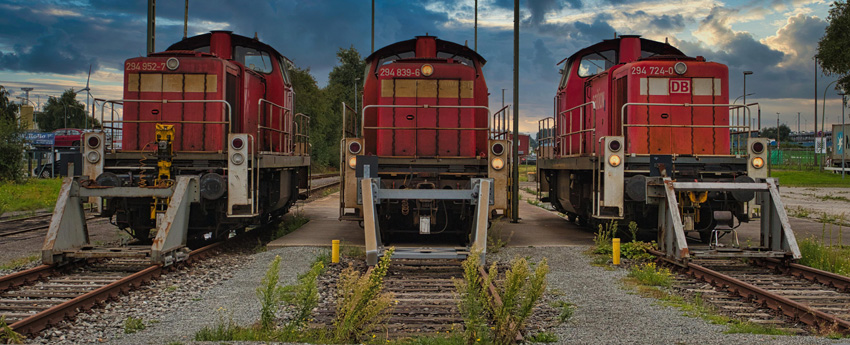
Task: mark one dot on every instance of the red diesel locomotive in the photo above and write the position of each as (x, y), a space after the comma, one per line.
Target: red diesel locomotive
(218, 108)
(632, 108)
(424, 134)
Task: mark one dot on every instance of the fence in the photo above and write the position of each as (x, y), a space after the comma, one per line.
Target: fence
(800, 159)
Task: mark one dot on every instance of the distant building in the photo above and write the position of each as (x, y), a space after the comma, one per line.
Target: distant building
(524, 149)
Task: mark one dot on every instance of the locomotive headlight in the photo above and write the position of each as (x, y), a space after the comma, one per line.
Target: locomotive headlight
(427, 70)
(497, 163)
(352, 162)
(758, 162)
(237, 158)
(93, 157)
(680, 68)
(614, 160)
(172, 63)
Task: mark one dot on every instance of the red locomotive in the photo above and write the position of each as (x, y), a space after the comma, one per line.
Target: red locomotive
(210, 141)
(424, 141)
(628, 109)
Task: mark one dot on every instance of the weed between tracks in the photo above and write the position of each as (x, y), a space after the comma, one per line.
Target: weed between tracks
(361, 307)
(520, 291)
(19, 262)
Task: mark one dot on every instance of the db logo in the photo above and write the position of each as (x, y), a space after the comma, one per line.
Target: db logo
(680, 86)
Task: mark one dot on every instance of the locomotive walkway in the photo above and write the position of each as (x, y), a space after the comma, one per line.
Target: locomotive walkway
(537, 228)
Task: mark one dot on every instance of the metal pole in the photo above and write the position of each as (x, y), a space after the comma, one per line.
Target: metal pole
(151, 26)
(186, 20)
(476, 25)
(515, 166)
(798, 123)
(777, 131)
(817, 134)
(373, 26)
(503, 98)
(843, 137)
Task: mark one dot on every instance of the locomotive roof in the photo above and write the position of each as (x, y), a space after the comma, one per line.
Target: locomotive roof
(442, 46)
(645, 44)
(195, 42)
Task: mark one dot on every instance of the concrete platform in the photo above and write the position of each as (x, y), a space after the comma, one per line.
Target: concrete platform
(537, 228)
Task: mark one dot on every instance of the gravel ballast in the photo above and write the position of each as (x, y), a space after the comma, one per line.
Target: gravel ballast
(609, 313)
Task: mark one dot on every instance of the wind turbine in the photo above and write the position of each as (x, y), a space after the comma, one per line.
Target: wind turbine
(88, 93)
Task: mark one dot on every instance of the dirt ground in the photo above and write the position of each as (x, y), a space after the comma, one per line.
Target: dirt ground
(29, 243)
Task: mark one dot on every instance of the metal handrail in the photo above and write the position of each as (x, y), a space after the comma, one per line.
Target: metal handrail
(546, 126)
(501, 123)
(581, 126)
(226, 121)
(354, 132)
(623, 123)
(285, 120)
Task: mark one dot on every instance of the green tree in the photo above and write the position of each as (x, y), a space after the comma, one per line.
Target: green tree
(64, 112)
(340, 89)
(832, 48)
(311, 100)
(8, 109)
(11, 140)
(770, 132)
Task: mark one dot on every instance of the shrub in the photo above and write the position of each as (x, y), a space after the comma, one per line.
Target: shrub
(11, 150)
(519, 292)
(473, 301)
(637, 250)
(133, 325)
(650, 274)
(361, 304)
(603, 238)
(270, 294)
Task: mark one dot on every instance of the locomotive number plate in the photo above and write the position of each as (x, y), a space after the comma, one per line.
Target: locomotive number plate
(145, 66)
(400, 72)
(652, 70)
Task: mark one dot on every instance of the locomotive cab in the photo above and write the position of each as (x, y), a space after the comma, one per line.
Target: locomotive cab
(425, 132)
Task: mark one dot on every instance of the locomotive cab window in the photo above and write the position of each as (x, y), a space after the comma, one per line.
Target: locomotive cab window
(457, 58)
(596, 62)
(255, 60)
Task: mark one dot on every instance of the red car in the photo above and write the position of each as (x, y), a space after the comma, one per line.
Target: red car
(68, 137)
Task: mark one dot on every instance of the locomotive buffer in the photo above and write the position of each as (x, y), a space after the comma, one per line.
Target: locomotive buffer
(370, 194)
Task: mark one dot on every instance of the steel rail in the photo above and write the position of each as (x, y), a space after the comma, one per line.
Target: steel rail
(784, 305)
(836, 281)
(39, 321)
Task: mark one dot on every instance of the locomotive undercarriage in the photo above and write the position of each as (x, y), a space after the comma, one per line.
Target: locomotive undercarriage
(446, 220)
(208, 217)
(576, 196)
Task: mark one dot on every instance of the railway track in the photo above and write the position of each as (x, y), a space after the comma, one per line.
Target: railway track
(772, 288)
(34, 299)
(427, 300)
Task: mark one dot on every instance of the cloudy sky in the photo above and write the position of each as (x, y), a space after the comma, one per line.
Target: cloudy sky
(49, 45)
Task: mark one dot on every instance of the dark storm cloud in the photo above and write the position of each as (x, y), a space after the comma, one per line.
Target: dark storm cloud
(543, 61)
(52, 53)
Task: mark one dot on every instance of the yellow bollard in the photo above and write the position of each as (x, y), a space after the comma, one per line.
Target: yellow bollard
(335, 251)
(616, 251)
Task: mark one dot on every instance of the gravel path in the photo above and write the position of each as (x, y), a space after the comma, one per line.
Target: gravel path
(232, 298)
(607, 313)
(834, 202)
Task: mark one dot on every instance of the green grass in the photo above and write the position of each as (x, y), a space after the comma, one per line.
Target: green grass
(15, 263)
(543, 337)
(524, 170)
(792, 178)
(33, 194)
(835, 259)
(651, 275)
(133, 325)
